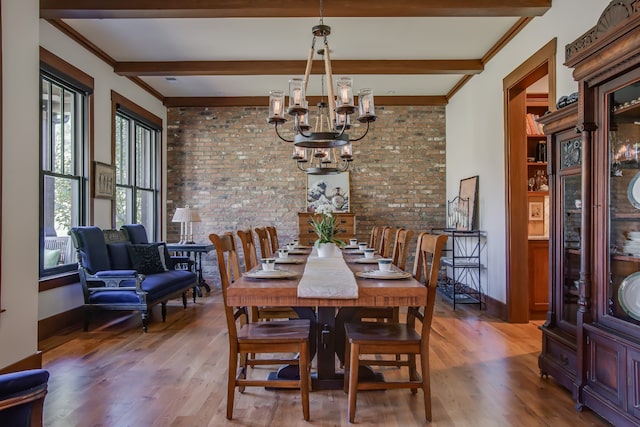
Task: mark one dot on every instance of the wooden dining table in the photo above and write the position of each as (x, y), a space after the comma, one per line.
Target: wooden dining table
(283, 293)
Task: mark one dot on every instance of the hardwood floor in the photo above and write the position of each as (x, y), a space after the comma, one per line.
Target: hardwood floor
(484, 372)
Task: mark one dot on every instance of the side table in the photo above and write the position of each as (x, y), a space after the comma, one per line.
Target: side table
(197, 249)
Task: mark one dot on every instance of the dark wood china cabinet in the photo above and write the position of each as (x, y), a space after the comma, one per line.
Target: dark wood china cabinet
(559, 348)
(591, 340)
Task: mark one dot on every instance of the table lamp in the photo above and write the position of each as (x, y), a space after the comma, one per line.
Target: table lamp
(193, 216)
(181, 215)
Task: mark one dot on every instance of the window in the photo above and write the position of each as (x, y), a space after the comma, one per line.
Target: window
(137, 167)
(64, 142)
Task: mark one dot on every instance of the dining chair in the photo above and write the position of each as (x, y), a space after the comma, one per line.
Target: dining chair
(268, 338)
(373, 338)
(384, 248)
(273, 238)
(401, 247)
(374, 238)
(263, 241)
(248, 246)
(250, 261)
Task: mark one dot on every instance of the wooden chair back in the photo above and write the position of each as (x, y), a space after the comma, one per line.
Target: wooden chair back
(425, 269)
(229, 268)
(263, 240)
(248, 248)
(384, 248)
(374, 238)
(273, 238)
(401, 247)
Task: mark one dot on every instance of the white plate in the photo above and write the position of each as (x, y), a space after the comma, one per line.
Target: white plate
(356, 252)
(629, 295)
(633, 191)
(274, 274)
(289, 261)
(351, 247)
(377, 274)
(366, 261)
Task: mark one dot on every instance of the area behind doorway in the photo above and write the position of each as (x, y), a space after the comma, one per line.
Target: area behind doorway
(528, 91)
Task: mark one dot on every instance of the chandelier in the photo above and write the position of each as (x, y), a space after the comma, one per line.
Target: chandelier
(325, 148)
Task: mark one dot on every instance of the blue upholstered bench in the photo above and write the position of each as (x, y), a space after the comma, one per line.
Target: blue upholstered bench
(118, 275)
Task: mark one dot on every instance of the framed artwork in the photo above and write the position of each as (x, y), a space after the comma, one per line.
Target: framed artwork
(328, 192)
(469, 193)
(104, 181)
(536, 211)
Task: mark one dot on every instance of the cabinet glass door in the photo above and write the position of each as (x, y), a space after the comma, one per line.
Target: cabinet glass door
(623, 287)
(570, 180)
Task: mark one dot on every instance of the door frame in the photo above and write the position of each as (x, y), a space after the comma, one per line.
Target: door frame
(541, 63)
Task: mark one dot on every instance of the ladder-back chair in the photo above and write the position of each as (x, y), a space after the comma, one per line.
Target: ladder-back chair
(401, 247)
(374, 238)
(273, 338)
(263, 241)
(384, 248)
(273, 238)
(373, 338)
(250, 261)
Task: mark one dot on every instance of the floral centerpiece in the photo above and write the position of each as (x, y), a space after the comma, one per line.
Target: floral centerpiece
(326, 228)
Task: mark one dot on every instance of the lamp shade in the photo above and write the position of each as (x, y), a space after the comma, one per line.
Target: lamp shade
(181, 215)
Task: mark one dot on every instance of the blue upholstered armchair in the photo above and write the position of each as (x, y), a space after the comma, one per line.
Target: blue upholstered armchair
(118, 275)
(22, 398)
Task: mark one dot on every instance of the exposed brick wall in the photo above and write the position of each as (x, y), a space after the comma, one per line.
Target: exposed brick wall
(229, 163)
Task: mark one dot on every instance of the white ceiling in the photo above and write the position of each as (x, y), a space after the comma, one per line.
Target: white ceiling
(178, 39)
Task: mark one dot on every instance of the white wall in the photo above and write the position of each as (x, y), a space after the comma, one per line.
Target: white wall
(22, 34)
(18, 324)
(475, 122)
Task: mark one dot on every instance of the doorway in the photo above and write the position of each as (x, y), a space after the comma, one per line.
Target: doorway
(527, 287)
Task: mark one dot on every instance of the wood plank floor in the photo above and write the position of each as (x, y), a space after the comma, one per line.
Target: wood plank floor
(484, 373)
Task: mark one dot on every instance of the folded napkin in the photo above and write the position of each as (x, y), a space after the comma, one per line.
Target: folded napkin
(327, 278)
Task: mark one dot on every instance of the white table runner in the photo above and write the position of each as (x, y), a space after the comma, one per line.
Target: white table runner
(328, 277)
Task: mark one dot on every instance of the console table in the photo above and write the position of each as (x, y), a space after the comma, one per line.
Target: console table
(197, 249)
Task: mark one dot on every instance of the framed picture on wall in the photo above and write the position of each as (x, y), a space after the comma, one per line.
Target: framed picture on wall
(536, 211)
(104, 181)
(329, 192)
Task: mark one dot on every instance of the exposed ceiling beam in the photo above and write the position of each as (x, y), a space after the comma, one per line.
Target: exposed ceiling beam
(263, 101)
(252, 68)
(99, 9)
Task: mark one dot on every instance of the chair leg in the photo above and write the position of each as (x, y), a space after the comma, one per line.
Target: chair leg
(347, 367)
(163, 305)
(184, 300)
(426, 384)
(305, 376)
(413, 372)
(231, 381)
(354, 366)
(145, 320)
(244, 363)
(195, 292)
(395, 318)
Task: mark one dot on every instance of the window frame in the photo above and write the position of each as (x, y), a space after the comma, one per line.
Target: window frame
(138, 117)
(59, 70)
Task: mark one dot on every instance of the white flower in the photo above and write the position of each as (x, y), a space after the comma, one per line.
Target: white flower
(324, 209)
